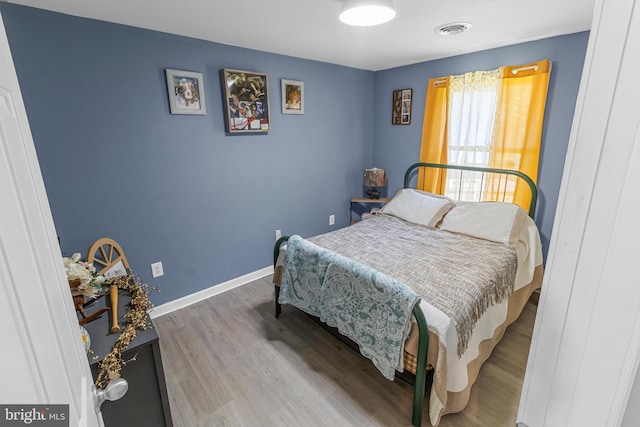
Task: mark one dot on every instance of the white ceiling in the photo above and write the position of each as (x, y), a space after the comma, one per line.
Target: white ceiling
(310, 28)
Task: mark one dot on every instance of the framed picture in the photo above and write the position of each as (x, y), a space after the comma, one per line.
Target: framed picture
(292, 96)
(246, 100)
(186, 92)
(401, 109)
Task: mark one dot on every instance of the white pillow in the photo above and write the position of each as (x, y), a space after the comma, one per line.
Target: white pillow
(495, 221)
(418, 207)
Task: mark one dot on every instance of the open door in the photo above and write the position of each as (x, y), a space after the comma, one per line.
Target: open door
(585, 350)
(43, 359)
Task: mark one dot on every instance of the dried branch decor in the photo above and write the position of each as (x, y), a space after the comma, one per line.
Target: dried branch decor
(110, 367)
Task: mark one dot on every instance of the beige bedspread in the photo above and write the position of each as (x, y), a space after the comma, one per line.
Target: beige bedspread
(458, 275)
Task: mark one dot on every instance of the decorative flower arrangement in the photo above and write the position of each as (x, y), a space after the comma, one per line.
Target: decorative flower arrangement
(82, 276)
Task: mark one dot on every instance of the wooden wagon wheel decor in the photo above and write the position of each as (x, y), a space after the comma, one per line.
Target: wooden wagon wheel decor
(108, 254)
(105, 254)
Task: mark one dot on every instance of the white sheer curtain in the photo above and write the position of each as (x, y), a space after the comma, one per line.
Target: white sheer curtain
(473, 101)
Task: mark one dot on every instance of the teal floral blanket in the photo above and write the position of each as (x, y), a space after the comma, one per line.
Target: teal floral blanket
(369, 307)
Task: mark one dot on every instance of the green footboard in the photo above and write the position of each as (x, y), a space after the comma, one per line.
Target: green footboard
(423, 346)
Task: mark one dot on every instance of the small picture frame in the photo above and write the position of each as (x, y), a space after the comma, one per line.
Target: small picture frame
(292, 92)
(246, 101)
(401, 107)
(186, 92)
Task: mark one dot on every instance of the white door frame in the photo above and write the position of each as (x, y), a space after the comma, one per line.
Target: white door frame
(42, 359)
(586, 341)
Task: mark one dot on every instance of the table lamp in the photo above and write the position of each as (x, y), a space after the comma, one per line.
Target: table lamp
(374, 177)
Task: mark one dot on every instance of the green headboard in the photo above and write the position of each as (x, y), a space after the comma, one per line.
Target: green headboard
(532, 186)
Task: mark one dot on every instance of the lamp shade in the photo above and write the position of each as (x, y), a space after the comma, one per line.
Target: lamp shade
(367, 13)
(375, 177)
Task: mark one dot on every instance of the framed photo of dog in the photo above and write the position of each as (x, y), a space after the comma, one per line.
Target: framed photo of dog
(246, 101)
(186, 92)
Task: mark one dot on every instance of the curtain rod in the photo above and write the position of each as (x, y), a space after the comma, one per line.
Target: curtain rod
(530, 67)
(514, 72)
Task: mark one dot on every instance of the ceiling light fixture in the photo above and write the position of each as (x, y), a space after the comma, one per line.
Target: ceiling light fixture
(452, 29)
(367, 13)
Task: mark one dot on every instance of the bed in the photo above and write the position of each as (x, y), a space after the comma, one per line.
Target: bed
(462, 270)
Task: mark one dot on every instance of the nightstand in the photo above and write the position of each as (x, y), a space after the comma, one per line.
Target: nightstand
(365, 201)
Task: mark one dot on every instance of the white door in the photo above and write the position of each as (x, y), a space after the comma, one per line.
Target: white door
(42, 360)
(586, 341)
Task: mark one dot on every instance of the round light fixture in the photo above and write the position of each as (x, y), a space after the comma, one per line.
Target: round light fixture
(452, 29)
(367, 13)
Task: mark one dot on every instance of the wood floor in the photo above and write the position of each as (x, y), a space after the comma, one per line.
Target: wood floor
(229, 362)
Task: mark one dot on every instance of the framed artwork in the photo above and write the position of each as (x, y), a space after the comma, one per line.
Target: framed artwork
(186, 92)
(246, 101)
(292, 96)
(401, 108)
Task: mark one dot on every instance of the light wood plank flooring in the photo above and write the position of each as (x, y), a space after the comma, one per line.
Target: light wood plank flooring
(229, 362)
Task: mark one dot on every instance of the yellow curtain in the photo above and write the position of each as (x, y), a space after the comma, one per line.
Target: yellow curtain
(518, 128)
(434, 135)
(517, 133)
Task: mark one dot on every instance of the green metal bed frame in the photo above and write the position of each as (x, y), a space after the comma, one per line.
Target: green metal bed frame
(423, 331)
(532, 185)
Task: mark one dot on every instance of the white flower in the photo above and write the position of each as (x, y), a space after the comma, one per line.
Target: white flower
(81, 276)
(77, 272)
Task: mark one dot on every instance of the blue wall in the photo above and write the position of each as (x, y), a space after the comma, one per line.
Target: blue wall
(396, 147)
(178, 189)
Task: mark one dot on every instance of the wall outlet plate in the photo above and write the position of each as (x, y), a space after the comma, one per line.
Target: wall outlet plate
(332, 219)
(156, 269)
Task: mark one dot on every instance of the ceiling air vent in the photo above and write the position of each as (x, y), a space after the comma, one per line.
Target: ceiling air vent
(452, 29)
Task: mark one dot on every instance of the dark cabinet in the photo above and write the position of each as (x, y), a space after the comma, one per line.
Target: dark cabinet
(146, 402)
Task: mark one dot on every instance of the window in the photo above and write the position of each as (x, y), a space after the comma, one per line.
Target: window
(484, 118)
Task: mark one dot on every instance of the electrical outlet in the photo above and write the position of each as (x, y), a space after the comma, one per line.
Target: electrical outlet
(156, 269)
(332, 219)
(278, 234)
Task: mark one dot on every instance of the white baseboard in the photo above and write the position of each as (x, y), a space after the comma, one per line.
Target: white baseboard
(185, 301)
